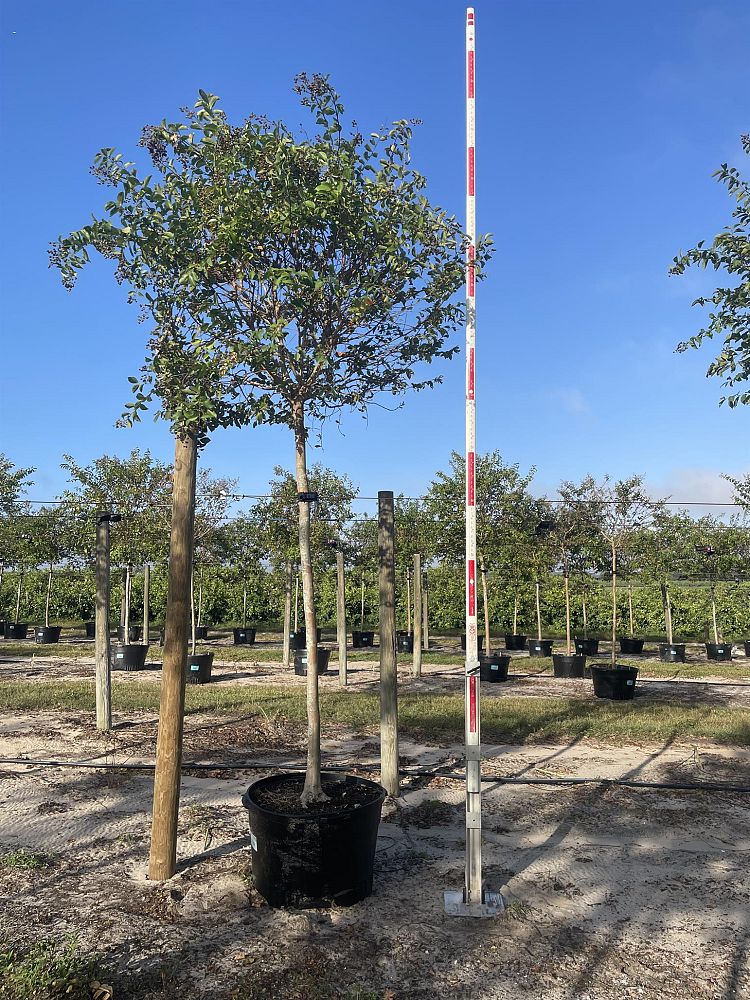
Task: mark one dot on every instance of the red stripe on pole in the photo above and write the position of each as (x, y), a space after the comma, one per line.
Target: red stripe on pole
(473, 703)
(471, 171)
(470, 480)
(470, 386)
(472, 588)
(470, 82)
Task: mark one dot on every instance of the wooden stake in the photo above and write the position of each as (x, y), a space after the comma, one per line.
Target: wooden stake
(101, 627)
(287, 613)
(485, 599)
(341, 615)
(163, 856)
(388, 670)
(425, 615)
(613, 655)
(416, 667)
(49, 595)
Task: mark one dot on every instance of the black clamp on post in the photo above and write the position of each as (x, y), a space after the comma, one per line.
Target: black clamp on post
(110, 518)
(307, 497)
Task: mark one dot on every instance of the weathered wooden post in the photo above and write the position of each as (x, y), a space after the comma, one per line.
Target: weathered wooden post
(287, 614)
(146, 599)
(425, 613)
(101, 623)
(388, 670)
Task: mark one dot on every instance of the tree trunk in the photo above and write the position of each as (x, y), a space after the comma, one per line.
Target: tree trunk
(487, 638)
(584, 609)
(613, 655)
(408, 600)
(200, 597)
(127, 603)
(568, 648)
(101, 627)
(538, 614)
(244, 603)
(713, 615)
(49, 595)
(313, 791)
(146, 600)
(630, 608)
(18, 594)
(341, 615)
(287, 612)
(193, 620)
(362, 603)
(667, 611)
(296, 603)
(515, 614)
(425, 614)
(163, 856)
(388, 666)
(416, 663)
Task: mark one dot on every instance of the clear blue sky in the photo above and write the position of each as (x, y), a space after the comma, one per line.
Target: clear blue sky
(599, 125)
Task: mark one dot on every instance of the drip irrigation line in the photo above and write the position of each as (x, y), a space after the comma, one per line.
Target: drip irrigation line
(683, 786)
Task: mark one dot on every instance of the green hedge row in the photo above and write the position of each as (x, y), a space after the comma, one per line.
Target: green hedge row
(73, 601)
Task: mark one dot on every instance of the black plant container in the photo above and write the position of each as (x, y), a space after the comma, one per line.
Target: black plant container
(540, 647)
(494, 668)
(199, 666)
(16, 630)
(298, 639)
(480, 642)
(747, 647)
(300, 661)
(615, 683)
(405, 642)
(90, 630)
(44, 634)
(2, 627)
(674, 653)
(244, 636)
(587, 647)
(201, 632)
(568, 666)
(719, 651)
(631, 646)
(515, 641)
(130, 656)
(309, 860)
(135, 633)
(363, 639)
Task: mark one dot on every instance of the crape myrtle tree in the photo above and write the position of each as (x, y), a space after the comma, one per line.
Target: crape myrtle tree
(729, 304)
(14, 482)
(505, 514)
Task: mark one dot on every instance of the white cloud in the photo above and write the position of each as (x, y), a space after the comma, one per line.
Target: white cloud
(695, 487)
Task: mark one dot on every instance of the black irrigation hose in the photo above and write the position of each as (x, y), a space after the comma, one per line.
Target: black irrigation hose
(682, 786)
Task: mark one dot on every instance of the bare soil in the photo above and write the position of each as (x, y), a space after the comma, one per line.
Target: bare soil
(611, 892)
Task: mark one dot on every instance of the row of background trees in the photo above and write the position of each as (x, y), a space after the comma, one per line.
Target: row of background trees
(669, 563)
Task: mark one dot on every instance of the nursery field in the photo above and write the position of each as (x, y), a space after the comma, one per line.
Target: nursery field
(612, 890)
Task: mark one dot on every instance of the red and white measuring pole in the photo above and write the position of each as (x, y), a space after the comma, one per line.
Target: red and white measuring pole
(475, 900)
(473, 884)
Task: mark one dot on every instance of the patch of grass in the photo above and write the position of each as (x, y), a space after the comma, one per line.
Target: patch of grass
(51, 970)
(23, 860)
(423, 715)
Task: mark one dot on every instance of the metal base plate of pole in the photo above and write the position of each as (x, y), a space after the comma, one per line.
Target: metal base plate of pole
(492, 904)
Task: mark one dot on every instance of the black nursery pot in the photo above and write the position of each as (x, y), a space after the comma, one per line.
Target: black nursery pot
(480, 641)
(405, 642)
(47, 633)
(135, 633)
(244, 636)
(305, 860)
(201, 632)
(568, 666)
(494, 668)
(719, 651)
(633, 647)
(129, 656)
(298, 639)
(674, 653)
(300, 661)
(615, 683)
(540, 647)
(90, 630)
(515, 641)
(747, 647)
(16, 630)
(363, 639)
(199, 667)
(587, 647)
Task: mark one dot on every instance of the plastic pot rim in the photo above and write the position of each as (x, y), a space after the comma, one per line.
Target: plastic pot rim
(378, 793)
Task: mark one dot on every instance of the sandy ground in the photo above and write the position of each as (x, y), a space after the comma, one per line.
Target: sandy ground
(612, 892)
